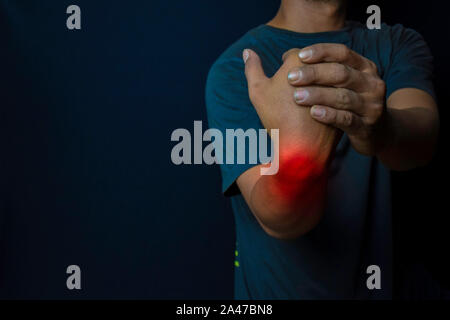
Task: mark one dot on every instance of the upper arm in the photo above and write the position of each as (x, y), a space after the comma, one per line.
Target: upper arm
(417, 106)
(410, 91)
(411, 97)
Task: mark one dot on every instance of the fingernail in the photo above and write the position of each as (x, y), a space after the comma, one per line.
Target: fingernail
(245, 55)
(305, 54)
(301, 95)
(318, 112)
(294, 75)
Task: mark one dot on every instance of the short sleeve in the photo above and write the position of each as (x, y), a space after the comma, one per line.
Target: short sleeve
(411, 63)
(229, 107)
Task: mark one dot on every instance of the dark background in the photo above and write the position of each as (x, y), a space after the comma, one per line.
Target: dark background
(85, 170)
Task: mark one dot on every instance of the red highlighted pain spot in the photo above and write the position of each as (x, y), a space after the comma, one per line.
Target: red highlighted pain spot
(301, 177)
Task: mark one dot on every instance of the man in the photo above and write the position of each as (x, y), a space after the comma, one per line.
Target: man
(350, 104)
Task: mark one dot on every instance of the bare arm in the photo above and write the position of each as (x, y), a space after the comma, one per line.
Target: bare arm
(401, 132)
(291, 202)
(411, 130)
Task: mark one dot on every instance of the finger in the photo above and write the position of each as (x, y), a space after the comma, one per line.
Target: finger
(330, 74)
(333, 52)
(289, 53)
(338, 98)
(253, 68)
(345, 120)
(290, 61)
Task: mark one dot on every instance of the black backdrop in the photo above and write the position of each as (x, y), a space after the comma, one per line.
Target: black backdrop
(421, 222)
(85, 170)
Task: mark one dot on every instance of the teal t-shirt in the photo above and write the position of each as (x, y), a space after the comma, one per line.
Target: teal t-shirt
(331, 261)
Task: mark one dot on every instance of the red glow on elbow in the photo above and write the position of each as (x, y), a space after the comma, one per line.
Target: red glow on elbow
(301, 177)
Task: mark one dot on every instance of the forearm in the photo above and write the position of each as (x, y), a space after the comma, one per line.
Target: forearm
(410, 138)
(291, 202)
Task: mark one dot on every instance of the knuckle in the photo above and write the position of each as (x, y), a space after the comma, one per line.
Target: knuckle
(347, 119)
(340, 74)
(373, 67)
(330, 116)
(311, 72)
(380, 86)
(343, 98)
(370, 121)
(376, 112)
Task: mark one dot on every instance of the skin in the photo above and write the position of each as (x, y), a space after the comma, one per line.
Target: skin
(342, 92)
(278, 203)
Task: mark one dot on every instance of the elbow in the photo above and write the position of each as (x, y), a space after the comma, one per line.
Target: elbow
(294, 230)
(289, 223)
(292, 216)
(291, 205)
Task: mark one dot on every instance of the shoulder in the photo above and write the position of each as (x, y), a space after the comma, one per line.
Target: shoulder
(403, 57)
(229, 65)
(387, 35)
(389, 45)
(393, 38)
(226, 93)
(399, 33)
(400, 37)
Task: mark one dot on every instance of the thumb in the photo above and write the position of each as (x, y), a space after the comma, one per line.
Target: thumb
(253, 68)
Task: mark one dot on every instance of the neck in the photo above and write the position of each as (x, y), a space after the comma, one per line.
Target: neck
(309, 16)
